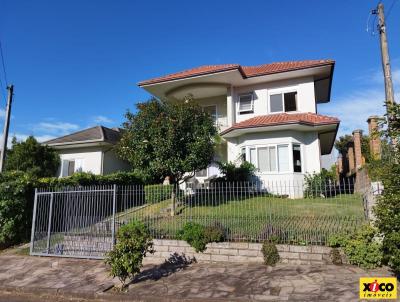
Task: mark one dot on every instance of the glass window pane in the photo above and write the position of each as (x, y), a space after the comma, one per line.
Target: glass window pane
(283, 158)
(212, 111)
(290, 101)
(263, 159)
(272, 158)
(253, 156)
(243, 154)
(296, 158)
(276, 102)
(246, 103)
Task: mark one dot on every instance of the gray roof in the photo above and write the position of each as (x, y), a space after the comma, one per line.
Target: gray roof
(94, 134)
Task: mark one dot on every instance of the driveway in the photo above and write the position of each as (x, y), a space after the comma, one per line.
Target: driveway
(25, 278)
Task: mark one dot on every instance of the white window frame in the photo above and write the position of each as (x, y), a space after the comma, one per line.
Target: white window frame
(282, 91)
(216, 111)
(251, 94)
(290, 156)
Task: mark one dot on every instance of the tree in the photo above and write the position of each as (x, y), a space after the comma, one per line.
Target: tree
(387, 210)
(168, 139)
(341, 144)
(32, 157)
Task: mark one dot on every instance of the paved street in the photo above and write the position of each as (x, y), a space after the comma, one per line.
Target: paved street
(24, 278)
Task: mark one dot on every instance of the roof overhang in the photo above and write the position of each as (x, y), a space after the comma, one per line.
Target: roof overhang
(234, 76)
(326, 132)
(81, 144)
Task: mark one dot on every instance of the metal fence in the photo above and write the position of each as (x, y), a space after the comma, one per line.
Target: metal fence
(83, 221)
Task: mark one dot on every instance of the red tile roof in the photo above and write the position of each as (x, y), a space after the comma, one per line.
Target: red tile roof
(311, 119)
(246, 71)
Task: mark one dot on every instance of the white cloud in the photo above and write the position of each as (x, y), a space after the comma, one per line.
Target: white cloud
(2, 113)
(99, 119)
(354, 108)
(56, 128)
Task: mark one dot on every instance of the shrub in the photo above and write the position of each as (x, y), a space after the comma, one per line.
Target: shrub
(194, 234)
(214, 233)
(157, 193)
(361, 248)
(88, 179)
(316, 183)
(270, 253)
(231, 172)
(16, 204)
(133, 242)
(198, 235)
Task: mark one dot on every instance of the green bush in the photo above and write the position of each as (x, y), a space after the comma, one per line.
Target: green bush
(315, 184)
(194, 234)
(270, 253)
(231, 172)
(336, 258)
(198, 235)
(157, 193)
(214, 233)
(133, 242)
(361, 248)
(89, 179)
(16, 204)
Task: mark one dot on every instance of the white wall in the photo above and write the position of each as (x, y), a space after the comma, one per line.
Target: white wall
(91, 158)
(220, 102)
(111, 163)
(310, 151)
(97, 160)
(303, 86)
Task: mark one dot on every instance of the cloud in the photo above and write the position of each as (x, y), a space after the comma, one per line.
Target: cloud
(100, 119)
(2, 113)
(354, 108)
(56, 128)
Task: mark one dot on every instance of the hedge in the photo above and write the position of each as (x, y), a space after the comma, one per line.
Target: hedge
(157, 193)
(89, 179)
(16, 204)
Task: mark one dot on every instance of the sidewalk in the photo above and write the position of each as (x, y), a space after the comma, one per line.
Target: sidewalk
(62, 279)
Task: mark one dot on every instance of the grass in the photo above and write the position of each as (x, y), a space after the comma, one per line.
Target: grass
(301, 221)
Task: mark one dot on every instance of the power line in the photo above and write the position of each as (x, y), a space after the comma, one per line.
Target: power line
(390, 9)
(4, 65)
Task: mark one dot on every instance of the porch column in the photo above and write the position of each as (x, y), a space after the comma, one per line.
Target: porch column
(374, 139)
(230, 106)
(357, 148)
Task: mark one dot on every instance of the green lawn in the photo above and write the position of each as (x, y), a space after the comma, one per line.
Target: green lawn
(300, 221)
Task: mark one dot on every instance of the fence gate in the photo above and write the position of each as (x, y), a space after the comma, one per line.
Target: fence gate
(74, 222)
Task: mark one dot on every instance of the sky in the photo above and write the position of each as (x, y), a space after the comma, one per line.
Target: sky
(76, 64)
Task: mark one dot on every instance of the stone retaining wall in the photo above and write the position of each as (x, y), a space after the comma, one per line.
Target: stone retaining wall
(239, 252)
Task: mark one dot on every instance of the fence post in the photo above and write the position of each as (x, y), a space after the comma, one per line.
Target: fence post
(113, 216)
(49, 225)
(33, 222)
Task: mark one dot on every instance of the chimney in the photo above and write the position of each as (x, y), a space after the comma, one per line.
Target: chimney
(357, 134)
(350, 158)
(375, 141)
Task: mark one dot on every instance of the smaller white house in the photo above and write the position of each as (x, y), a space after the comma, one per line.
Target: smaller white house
(90, 150)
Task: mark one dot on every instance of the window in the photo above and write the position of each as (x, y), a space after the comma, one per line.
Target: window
(283, 158)
(246, 103)
(296, 158)
(201, 173)
(212, 111)
(283, 102)
(71, 166)
(275, 158)
(243, 154)
(253, 158)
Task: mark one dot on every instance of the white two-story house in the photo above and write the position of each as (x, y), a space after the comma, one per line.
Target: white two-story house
(266, 114)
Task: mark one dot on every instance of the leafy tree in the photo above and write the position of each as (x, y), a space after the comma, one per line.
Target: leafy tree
(32, 157)
(387, 210)
(168, 139)
(341, 144)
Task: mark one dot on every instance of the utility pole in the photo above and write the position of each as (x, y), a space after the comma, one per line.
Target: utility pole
(6, 126)
(389, 94)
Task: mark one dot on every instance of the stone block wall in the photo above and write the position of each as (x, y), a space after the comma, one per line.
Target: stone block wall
(238, 252)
